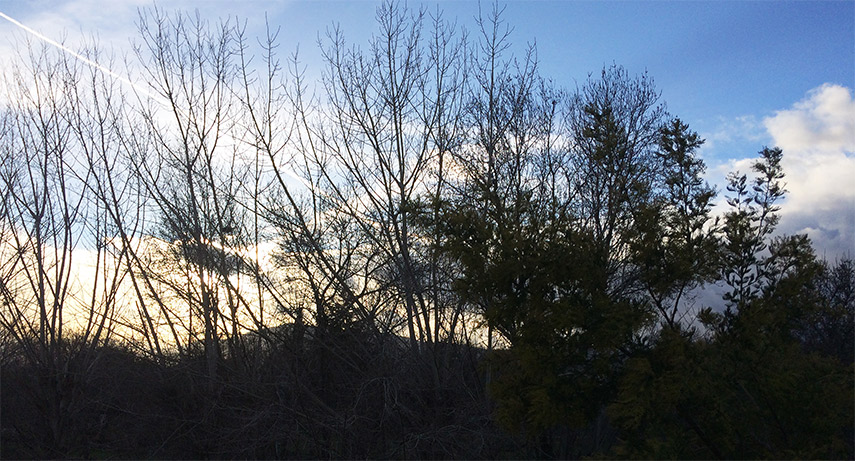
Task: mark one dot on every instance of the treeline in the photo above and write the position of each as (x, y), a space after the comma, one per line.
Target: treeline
(433, 252)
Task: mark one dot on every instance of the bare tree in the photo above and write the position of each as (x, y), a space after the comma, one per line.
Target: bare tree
(63, 266)
(375, 149)
(188, 161)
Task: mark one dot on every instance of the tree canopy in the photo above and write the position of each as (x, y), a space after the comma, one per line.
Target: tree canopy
(437, 253)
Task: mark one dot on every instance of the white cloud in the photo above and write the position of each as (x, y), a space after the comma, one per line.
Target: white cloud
(823, 122)
(817, 136)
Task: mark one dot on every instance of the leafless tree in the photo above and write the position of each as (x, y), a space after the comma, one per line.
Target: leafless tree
(188, 161)
(387, 121)
(63, 266)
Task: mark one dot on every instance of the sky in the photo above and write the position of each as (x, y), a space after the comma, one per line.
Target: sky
(743, 74)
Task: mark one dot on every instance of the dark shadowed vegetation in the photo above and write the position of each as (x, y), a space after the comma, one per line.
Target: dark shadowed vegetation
(433, 252)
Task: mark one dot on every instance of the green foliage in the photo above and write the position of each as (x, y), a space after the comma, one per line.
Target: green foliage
(747, 393)
(674, 245)
(751, 220)
(447, 193)
(754, 385)
(828, 328)
(548, 270)
(573, 290)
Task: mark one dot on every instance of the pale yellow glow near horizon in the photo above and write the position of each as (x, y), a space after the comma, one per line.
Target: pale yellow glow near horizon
(82, 304)
(123, 313)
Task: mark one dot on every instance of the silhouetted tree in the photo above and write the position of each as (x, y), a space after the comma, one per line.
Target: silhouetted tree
(675, 245)
(437, 254)
(731, 392)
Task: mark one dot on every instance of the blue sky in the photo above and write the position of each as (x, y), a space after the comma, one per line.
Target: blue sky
(743, 74)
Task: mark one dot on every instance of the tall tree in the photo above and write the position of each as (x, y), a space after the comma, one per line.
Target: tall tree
(63, 266)
(544, 241)
(615, 123)
(675, 243)
(187, 159)
(389, 119)
(752, 218)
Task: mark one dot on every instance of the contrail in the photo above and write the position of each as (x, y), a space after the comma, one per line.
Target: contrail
(77, 55)
(121, 78)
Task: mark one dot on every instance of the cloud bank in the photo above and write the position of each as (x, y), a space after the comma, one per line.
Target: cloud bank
(817, 135)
